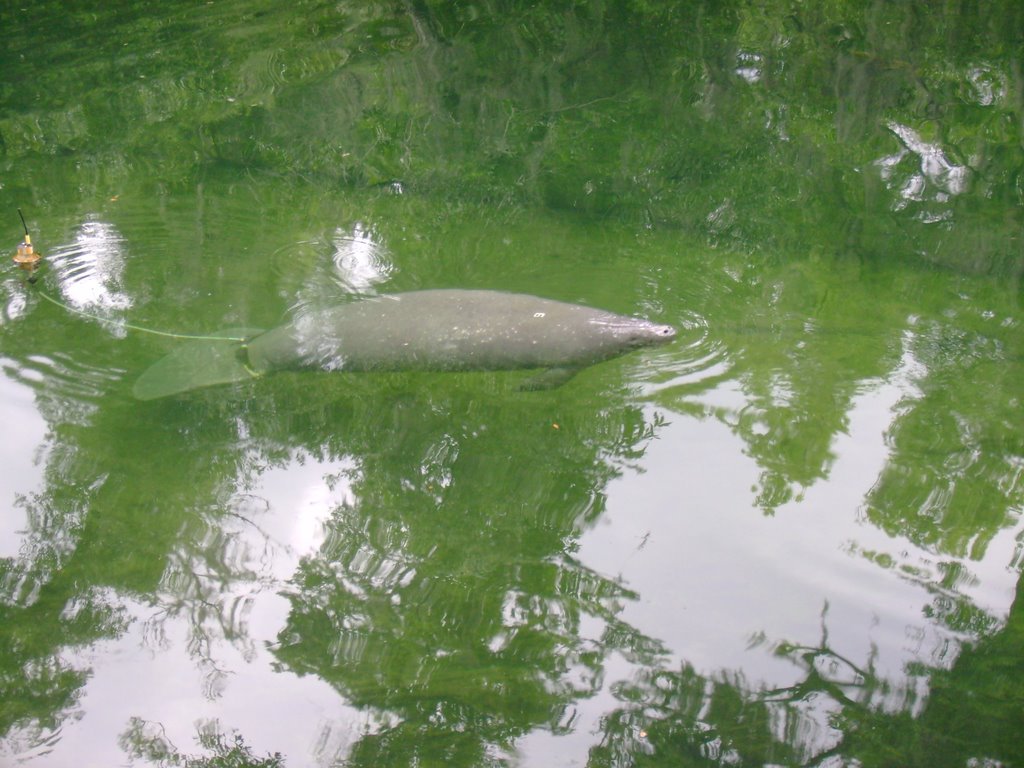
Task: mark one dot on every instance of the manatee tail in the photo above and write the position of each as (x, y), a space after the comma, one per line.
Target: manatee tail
(217, 359)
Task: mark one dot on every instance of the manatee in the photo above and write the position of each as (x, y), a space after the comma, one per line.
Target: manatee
(432, 330)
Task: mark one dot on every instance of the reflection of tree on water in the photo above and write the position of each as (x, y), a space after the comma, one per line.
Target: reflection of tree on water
(444, 594)
(806, 355)
(444, 598)
(953, 480)
(146, 741)
(973, 714)
(946, 487)
(970, 716)
(82, 591)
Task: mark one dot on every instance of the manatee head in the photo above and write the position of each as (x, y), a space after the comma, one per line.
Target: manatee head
(616, 334)
(657, 334)
(641, 333)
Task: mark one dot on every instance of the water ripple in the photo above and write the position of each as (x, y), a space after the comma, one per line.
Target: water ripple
(90, 270)
(694, 363)
(62, 374)
(319, 272)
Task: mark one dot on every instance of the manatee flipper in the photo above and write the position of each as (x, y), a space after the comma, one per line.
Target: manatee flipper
(198, 364)
(548, 379)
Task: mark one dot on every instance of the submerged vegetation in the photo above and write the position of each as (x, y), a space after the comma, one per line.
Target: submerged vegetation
(874, 130)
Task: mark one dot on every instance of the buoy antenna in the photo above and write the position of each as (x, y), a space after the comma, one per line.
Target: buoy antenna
(22, 217)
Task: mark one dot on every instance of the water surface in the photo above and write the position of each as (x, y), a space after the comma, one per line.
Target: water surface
(792, 536)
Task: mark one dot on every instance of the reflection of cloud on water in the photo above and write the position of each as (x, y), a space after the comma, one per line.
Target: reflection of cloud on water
(90, 270)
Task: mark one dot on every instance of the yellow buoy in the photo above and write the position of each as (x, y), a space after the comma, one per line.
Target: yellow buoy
(25, 256)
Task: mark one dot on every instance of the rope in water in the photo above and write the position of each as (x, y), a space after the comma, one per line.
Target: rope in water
(131, 327)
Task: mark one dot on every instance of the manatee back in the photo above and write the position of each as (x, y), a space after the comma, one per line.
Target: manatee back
(445, 330)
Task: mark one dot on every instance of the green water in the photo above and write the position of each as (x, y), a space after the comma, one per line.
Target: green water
(791, 537)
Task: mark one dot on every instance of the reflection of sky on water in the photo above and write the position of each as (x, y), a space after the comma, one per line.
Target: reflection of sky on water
(16, 300)
(90, 269)
(22, 472)
(361, 262)
(988, 84)
(736, 580)
(200, 653)
(750, 66)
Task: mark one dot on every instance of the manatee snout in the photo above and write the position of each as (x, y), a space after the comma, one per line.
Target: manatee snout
(650, 333)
